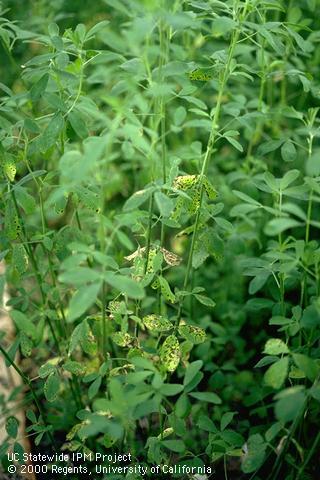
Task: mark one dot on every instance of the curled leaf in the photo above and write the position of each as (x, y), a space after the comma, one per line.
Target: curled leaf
(171, 258)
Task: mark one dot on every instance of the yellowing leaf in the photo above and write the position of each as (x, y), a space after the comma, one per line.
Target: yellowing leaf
(157, 323)
(193, 334)
(170, 353)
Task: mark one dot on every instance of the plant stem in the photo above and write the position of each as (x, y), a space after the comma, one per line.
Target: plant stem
(35, 267)
(309, 456)
(309, 122)
(149, 232)
(104, 332)
(209, 149)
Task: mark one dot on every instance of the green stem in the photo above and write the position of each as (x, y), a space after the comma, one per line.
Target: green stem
(35, 268)
(309, 456)
(149, 232)
(211, 141)
(104, 331)
(225, 467)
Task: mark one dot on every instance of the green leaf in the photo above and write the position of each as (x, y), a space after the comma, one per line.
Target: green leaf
(273, 431)
(289, 178)
(275, 346)
(96, 29)
(277, 373)
(164, 203)
(79, 276)
(222, 25)
(25, 200)
(125, 285)
(226, 419)
(208, 302)
(311, 317)
(235, 143)
(269, 146)
(78, 124)
(279, 225)
(257, 304)
(12, 426)
(51, 387)
(137, 199)
(209, 397)
(75, 338)
(39, 88)
(182, 406)
(255, 455)
(191, 371)
(24, 323)
(194, 382)
(170, 389)
(309, 366)
(74, 367)
(51, 133)
(258, 282)
(290, 403)
(94, 387)
(179, 115)
(46, 369)
(83, 299)
(288, 151)
(176, 446)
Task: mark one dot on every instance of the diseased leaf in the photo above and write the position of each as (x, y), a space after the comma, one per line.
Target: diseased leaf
(170, 353)
(157, 323)
(193, 333)
(275, 346)
(51, 387)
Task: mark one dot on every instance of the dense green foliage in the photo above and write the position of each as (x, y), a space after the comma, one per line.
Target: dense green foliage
(160, 198)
